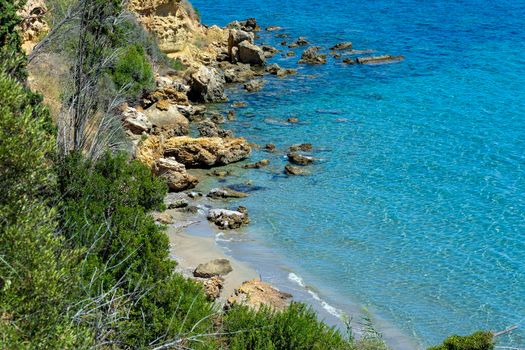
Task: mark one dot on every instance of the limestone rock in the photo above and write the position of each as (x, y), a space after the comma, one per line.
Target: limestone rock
(213, 287)
(206, 85)
(175, 174)
(258, 165)
(251, 54)
(169, 122)
(206, 151)
(256, 293)
(379, 59)
(163, 218)
(294, 170)
(135, 121)
(176, 200)
(229, 219)
(217, 267)
(33, 24)
(304, 147)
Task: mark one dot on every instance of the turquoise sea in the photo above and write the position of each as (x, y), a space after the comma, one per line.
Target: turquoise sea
(416, 209)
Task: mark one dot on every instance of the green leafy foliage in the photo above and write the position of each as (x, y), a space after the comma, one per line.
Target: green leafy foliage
(36, 278)
(294, 328)
(132, 73)
(477, 341)
(10, 41)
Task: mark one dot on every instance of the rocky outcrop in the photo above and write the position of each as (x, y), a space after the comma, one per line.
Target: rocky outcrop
(294, 170)
(274, 69)
(217, 267)
(260, 164)
(206, 152)
(208, 128)
(249, 25)
(304, 147)
(312, 56)
(176, 200)
(256, 293)
(175, 174)
(229, 219)
(224, 193)
(206, 85)
(251, 54)
(237, 73)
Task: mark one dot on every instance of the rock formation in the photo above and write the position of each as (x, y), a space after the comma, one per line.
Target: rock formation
(256, 293)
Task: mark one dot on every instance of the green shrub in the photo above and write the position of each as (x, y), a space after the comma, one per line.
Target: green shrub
(132, 72)
(37, 281)
(297, 327)
(477, 341)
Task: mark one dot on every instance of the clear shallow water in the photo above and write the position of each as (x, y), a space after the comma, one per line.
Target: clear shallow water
(417, 209)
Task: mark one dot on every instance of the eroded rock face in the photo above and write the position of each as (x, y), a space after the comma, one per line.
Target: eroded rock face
(206, 152)
(217, 267)
(229, 219)
(175, 174)
(33, 24)
(251, 54)
(169, 122)
(206, 85)
(256, 293)
(213, 287)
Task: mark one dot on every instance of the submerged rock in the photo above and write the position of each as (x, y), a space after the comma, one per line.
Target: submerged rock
(294, 170)
(258, 165)
(255, 294)
(224, 193)
(254, 85)
(305, 147)
(217, 267)
(273, 28)
(379, 59)
(297, 158)
(229, 219)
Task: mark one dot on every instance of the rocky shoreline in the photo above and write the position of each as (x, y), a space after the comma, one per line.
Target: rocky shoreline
(173, 131)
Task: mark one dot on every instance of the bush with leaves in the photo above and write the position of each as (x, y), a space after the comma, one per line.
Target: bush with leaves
(132, 72)
(477, 341)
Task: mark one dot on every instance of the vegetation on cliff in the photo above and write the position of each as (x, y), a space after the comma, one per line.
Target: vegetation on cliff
(82, 263)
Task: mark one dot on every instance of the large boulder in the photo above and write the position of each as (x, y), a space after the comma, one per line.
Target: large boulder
(235, 37)
(251, 54)
(297, 158)
(229, 219)
(217, 267)
(206, 85)
(206, 152)
(255, 294)
(237, 73)
(175, 174)
(254, 85)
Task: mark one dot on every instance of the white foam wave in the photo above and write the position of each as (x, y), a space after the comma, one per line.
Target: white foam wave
(329, 308)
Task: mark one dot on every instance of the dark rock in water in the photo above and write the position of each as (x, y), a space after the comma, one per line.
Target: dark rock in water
(231, 115)
(191, 209)
(282, 36)
(293, 120)
(379, 59)
(336, 55)
(273, 28)
(224, 193)
(312, 56)
(268, 48)
(229, 219)
(194, 195)
(274, 69)
(304, 147)
(258, 165)
(342, 46)
(294, 170)
(217, 118)
(246, 188)
(239, 104)
(219, 173)
(254, 85)
(302, 41)
(291, 54)
(299, 159)
(213, 268)
(349, 61)
(237, 73)
(270, 147)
